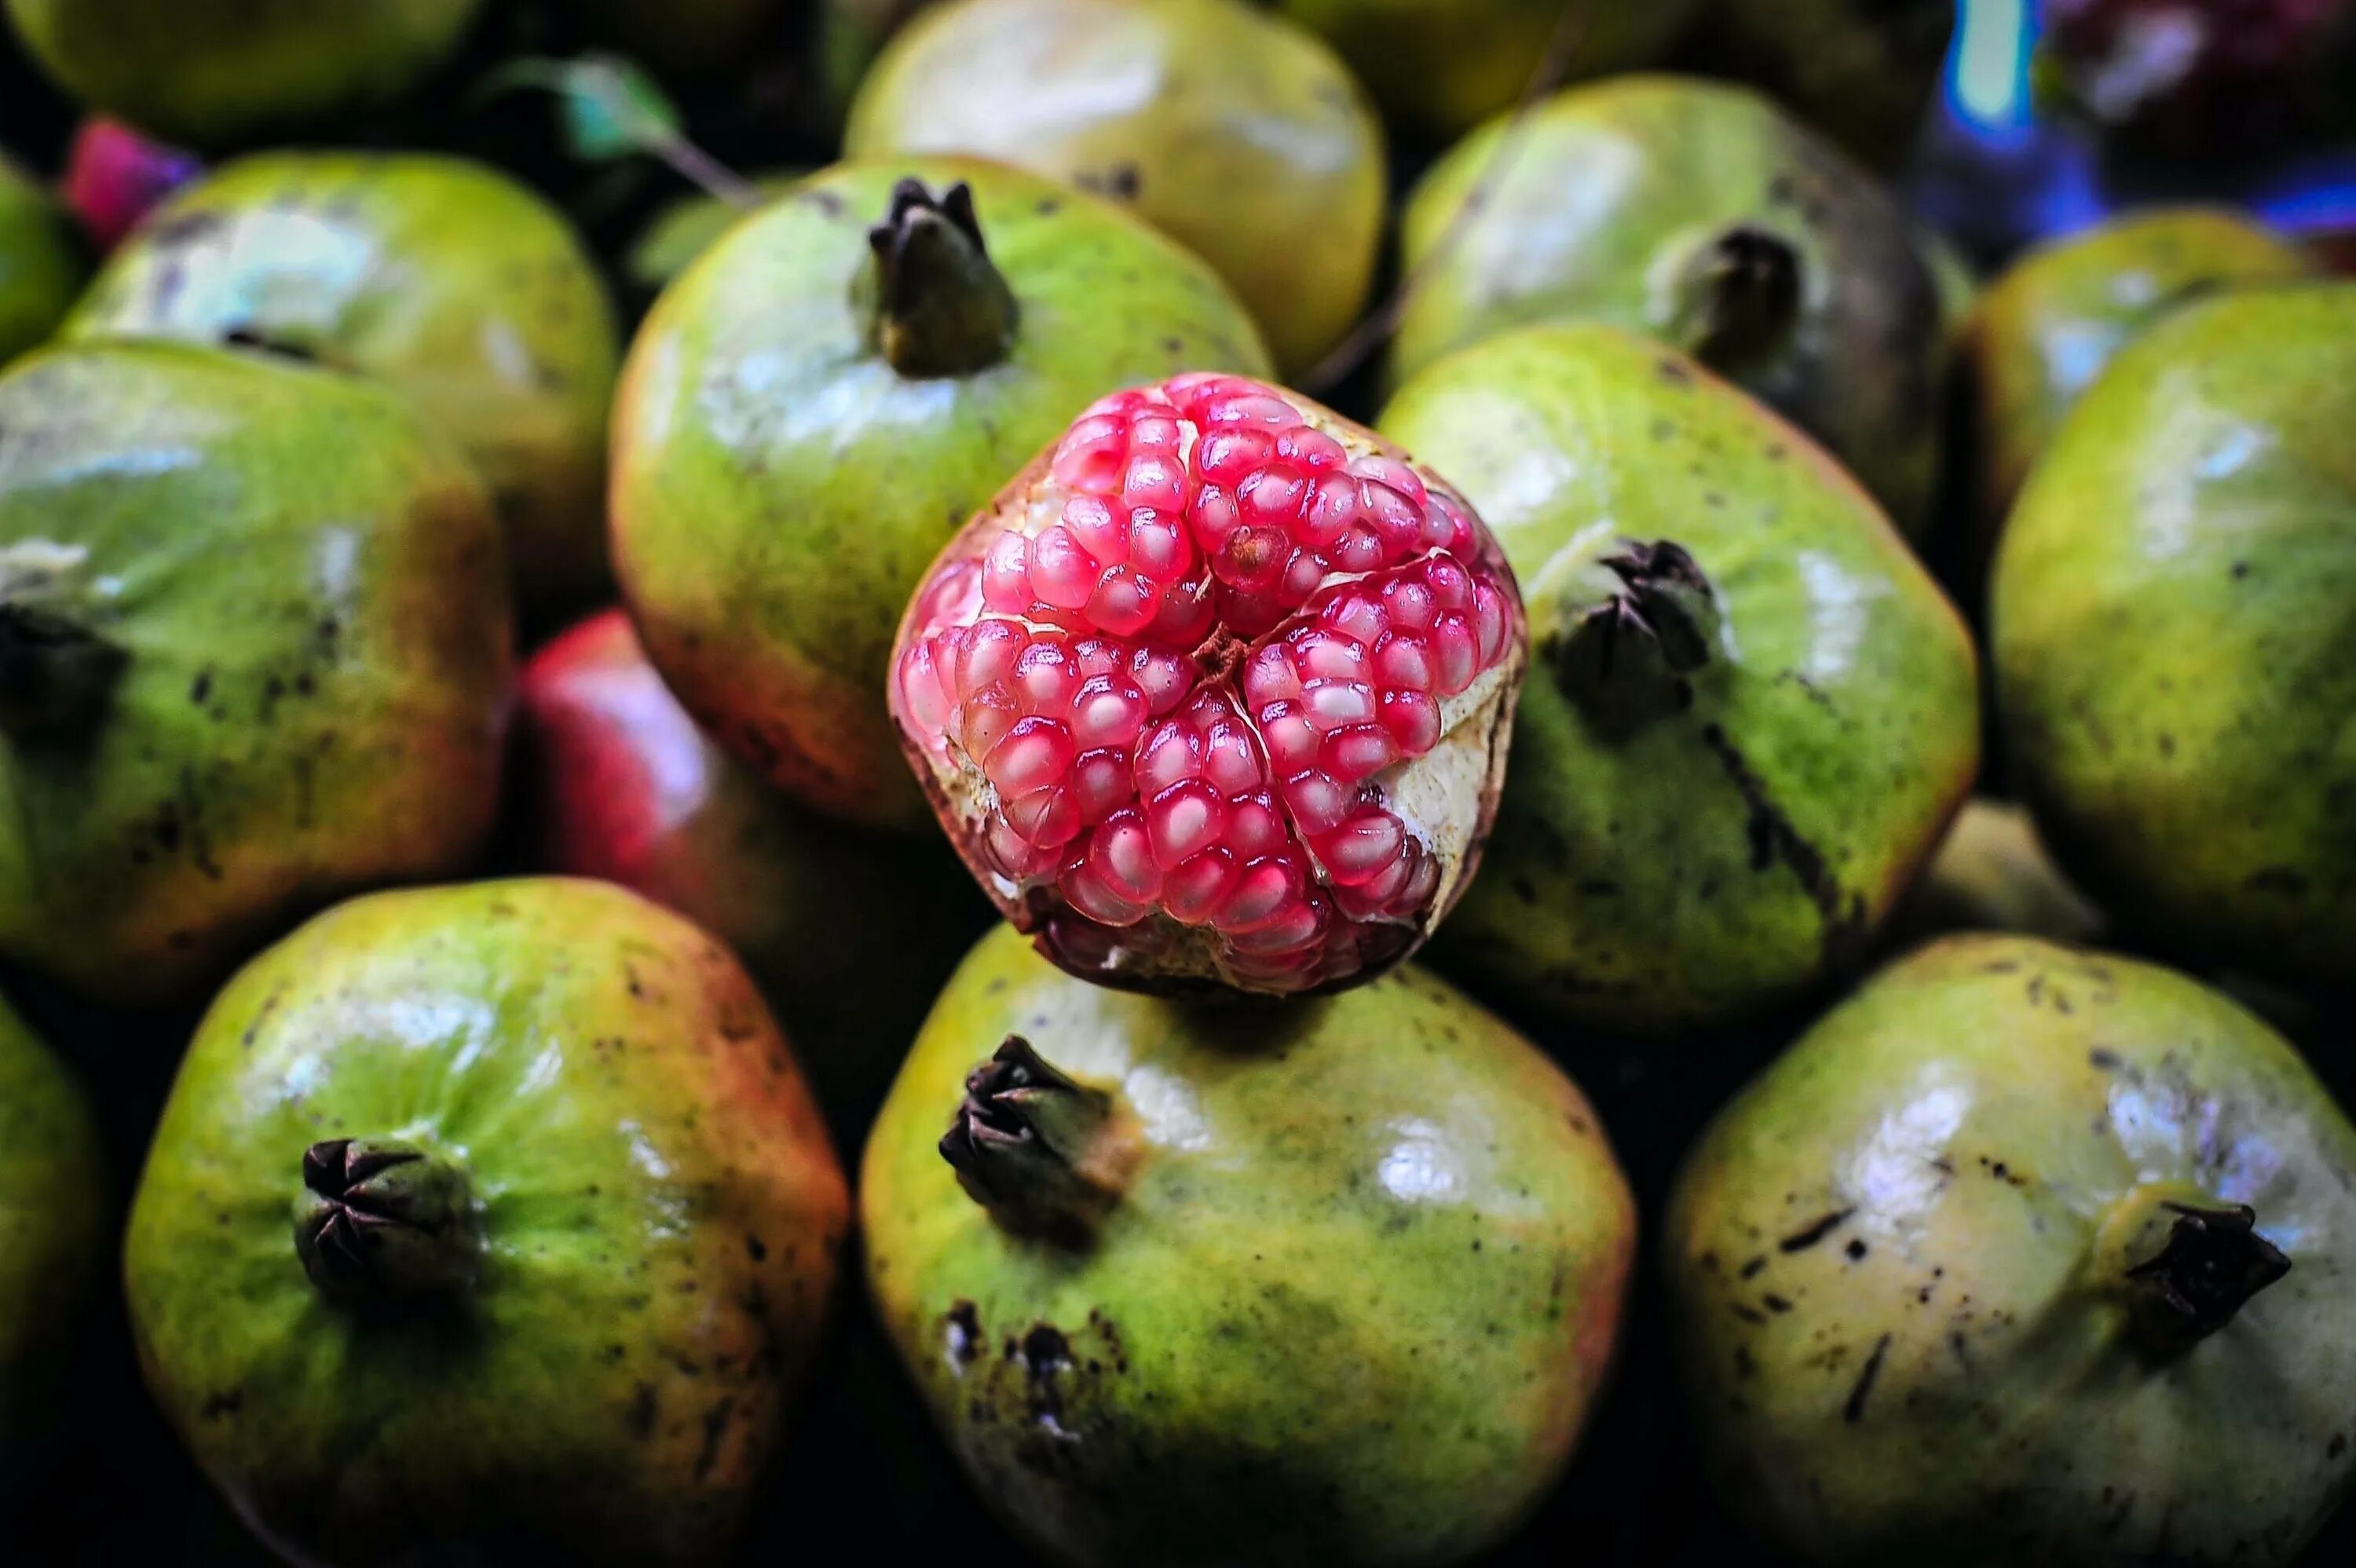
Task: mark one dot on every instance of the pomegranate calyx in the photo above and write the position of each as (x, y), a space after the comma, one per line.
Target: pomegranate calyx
(1739, 294)
(2213, 1262)
(56, 674)
(941, 307)
(381, 1223)
(1045, 1155)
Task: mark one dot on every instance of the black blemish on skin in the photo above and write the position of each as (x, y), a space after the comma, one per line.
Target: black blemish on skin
(2337, 1446)
(1963, 1350)
(201, 688)
(963, 1331)
(2108, 1060)
(1772, 838)
(1775, 1304)
(715, 1422)
(1675, 374)
(1856, 1248)
(1748, 1314)
(228, 1402)
(1744, 1365)
(1802, 1240)
(755, 1249)
(2241, 570)
(826, 201)
(642, 1411)
(1750, 1269)
(1853, 1411)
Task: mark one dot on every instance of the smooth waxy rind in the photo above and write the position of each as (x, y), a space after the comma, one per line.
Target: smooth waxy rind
(1217, 694)
(1376, 1241)
(2044, 330)
(659, 1213)
(1237, 134)
(779, 489)
(1671, 170)
(291, 620)
(54, 1210)
(2174, 642)
(1674, 849)
(441, 277)
(1899, 1294)
(41, 264)
(211, 72)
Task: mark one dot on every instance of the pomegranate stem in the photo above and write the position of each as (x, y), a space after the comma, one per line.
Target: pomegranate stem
(1045, 1155)
(382, 1221)
(941, 307)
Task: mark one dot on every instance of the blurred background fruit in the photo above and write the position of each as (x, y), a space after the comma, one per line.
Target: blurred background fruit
(1860, 71)
(564, 1230)
(254, 648)
(2173, 627)
(618, 783)
(114, 177)
(1709, 218)
(2192, 74)
(1751, 712)
(42, 265)
(809, 415)
(1991, 873)
(1121, 1289)
(1237, 134)
(1974, 1263)
(212, 72)
(443, 278)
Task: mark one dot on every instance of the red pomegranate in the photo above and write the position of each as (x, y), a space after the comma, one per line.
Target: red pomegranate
(1216, 693)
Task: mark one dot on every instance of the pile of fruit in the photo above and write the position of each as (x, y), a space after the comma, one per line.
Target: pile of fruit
(687, 871)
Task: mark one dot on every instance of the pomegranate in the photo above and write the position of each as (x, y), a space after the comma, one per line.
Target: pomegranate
(1216, 693)
(114, 177)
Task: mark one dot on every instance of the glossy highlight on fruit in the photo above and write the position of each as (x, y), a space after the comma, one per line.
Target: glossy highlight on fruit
(1335, 1282)
(1235, 133)
(1217, 692)
(819, 404)
(447, 279)
(255, 639)
(2024, 1254)
(487, 1223)
(209, 72)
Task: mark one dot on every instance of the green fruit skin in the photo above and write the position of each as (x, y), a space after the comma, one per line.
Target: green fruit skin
(40, 263)
(687, 227)
(1440, 67)
(307, 583)
(208, 73)
(1235, 133)
(1659, 167)
(2044, 329)
(53, 1218)
(660, 1212)
(1992, 874)
(779, 489)
(2173, 630)
(1971, 1115)
(1353, 1307)
(1638, 878)
(441, 277)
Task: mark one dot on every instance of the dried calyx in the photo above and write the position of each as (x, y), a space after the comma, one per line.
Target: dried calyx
(55, 673)
(2209, 1263)
(1739, 295)
(1629, 644)
(1045, 1155)
(382, 1222)
(940, 307)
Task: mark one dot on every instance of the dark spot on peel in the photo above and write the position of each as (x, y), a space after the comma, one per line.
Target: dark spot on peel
(1802, 1240)
(1859, 1391)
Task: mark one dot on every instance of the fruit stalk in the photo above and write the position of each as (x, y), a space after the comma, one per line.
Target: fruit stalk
(1651, 629)
(55, 673)
(941, 307)
(382, 1222)
(1045, 1155)
(1738, 294)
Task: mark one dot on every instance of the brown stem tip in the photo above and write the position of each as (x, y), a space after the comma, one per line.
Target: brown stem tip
(2213, 1263)
(382, 1220)
(941, 308)
(1044, 1153)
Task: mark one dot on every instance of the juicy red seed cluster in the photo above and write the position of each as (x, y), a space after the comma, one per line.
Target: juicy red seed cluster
(1185, 668)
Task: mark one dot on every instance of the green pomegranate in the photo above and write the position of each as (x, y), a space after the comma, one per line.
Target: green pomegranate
(1332, 1282)
(686, 227)
(2024, 1254)
(53, 1216)
(2173, 629)
(1861, 71)
(1235, 133)
(254, 645)
(1444, 66)
(440, 276)
(2044, 329)
(1992, 874)
(205, 72)
(1703, 214)
(485, 1225)
(822, 401)
(41, 263)
(1749, 713)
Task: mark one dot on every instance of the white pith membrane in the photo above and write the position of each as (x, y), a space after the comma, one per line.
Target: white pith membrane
(1443, 797)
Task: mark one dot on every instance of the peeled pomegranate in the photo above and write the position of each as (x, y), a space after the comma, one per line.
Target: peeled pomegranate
(1216, 693)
